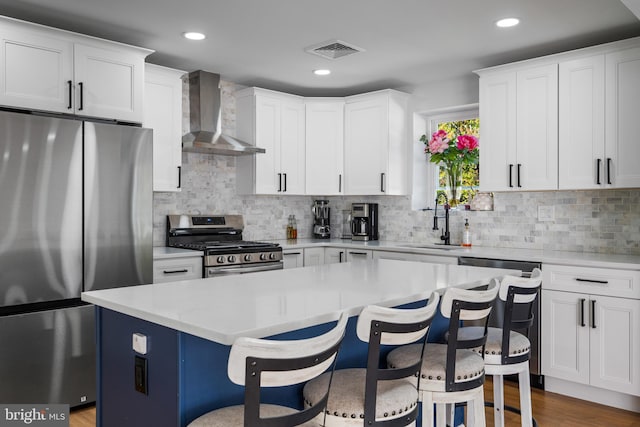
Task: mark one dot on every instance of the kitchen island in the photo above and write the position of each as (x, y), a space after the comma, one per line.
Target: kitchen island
(190, 325)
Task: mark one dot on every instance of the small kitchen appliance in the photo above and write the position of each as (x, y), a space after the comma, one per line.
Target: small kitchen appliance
(364, 221)
(220, 238)
(321, 222)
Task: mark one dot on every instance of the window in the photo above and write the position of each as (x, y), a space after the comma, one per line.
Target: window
(429, 182)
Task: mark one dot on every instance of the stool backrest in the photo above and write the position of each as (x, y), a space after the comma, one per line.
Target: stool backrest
(257, 363)
(518, 291)
(382, 326)
(460, 305)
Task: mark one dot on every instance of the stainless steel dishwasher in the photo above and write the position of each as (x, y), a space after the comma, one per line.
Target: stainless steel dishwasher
(537, 380)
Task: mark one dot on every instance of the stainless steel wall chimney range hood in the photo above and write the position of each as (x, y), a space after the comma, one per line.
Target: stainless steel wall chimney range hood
(205, 107)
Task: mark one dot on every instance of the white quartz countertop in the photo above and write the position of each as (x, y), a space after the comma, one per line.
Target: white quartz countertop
(263, 304)
(163, 252)
(585, 259)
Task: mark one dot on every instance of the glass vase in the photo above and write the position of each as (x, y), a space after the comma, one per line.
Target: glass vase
(454, 177)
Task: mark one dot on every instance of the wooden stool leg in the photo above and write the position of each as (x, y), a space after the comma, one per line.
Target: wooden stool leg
(478, 409)
(498, 401)
(427, 410)
(441, 415)
(525, 398)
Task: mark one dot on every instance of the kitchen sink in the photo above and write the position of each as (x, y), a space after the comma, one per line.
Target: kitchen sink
(434, 246)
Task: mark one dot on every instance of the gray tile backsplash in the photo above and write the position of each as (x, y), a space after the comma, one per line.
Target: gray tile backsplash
(605, 221)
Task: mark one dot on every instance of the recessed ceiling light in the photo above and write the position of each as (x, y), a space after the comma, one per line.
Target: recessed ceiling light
(508, 22)
(321, 72)
(194, 36)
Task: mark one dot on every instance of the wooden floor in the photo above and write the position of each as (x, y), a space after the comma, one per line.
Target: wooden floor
(549, 410)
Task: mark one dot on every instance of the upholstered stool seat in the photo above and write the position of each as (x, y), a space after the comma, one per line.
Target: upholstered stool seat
(518, 343)
(469, 365)
(234, 416)
(395, 397)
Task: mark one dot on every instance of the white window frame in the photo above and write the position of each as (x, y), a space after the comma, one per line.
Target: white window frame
(425, 173)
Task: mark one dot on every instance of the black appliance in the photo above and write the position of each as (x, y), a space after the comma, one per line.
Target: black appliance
(220, 238)
(364, 221)
(321, 222)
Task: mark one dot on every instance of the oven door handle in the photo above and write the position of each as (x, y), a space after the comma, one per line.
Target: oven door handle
(221, 271)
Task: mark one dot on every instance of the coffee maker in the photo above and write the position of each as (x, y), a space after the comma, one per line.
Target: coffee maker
(321, 223)
(364, 221)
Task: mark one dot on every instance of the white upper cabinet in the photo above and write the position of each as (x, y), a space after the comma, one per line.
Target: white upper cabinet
(47, 69)
(497, 131)
(36, 70)
(566, 121)
(537, 128)
(324, 146)
(276, 122)
(581, 123)
(163, 114)
(622, 93)
(376, 146)
(519, 129)
(598, 93)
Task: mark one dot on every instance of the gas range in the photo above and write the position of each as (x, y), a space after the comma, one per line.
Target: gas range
(220, 238)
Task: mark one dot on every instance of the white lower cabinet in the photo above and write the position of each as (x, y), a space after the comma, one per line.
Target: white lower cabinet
(293, 258)
(357, 254)
(592, 337)
(335, 255)
(172, 269)
(313, 256)
(405, 256)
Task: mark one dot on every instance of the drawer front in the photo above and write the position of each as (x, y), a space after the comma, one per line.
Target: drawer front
(170, 270)
(595, 281)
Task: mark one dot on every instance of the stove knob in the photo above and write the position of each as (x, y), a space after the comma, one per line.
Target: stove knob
(232, 258)
(263, 257)
(220, 260)
(272, 255)
(247, 257)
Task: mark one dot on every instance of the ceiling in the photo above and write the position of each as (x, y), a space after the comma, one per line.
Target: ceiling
(407, 43)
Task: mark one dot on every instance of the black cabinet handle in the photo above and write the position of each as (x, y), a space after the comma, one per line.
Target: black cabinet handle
(175, 271)
(81, 85)
(519, 166)
(279, 182)
(593, 314)
(582, 300)
(179, 176)
(285, 181)
(608, 170)
(340, 256)
(382, 182)
(510, 175)
(358, 253)
(70, 86)
(602, 282)
(340, 183)
(292, 253)
(598, 164)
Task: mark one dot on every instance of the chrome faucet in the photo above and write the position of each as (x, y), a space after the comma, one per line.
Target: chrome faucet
(446, 235)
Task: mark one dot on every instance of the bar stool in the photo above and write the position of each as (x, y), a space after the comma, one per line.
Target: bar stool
(508, 352)
(453, 372)
(257, 363)
(375, 396)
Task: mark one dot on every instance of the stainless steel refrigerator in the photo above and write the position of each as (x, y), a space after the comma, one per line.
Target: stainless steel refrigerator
(75, 215)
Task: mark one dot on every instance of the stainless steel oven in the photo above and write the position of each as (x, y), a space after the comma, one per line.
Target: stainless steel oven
(220, 238)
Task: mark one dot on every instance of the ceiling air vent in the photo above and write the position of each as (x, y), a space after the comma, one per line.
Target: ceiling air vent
(334, 49)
